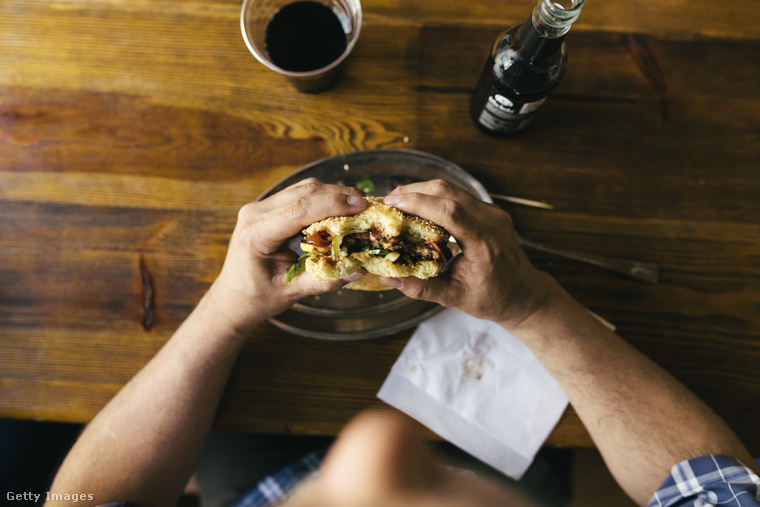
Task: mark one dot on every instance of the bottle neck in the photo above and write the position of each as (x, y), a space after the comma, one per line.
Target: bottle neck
(552, 18)
(543, 34)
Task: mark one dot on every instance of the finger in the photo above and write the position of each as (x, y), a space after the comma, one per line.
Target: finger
(304, 188)
(446, 204)
(460, 219)
(441, 289)
(440, 188)
(305, 285)
(271, 229)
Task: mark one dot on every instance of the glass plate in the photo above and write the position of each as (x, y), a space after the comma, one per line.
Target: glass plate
(348, 314)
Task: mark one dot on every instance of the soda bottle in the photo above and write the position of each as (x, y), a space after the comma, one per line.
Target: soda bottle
(526, 63)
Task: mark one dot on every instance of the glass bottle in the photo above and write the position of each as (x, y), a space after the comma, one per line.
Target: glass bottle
(526, 63)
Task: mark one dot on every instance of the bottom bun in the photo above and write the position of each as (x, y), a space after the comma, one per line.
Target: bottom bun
(327, 268)
(370, 282)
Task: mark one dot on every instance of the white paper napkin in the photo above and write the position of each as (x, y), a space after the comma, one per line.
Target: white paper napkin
(478, 387)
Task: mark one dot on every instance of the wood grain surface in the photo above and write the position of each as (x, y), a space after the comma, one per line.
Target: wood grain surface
(131, 132)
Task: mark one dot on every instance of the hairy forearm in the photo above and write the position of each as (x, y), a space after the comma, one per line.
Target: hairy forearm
(642, 420)
(144, 444)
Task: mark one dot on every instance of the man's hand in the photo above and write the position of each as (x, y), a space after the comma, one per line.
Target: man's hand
(492, 278)
(251, 286)
(641, 419)
(143, 445)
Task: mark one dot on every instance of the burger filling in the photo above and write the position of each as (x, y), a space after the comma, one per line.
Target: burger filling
(405, 249)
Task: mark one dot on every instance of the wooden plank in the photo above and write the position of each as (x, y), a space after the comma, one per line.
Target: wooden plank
(675, 18)
(177, 94)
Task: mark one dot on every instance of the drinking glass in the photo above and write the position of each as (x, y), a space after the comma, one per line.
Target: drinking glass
(255, 17)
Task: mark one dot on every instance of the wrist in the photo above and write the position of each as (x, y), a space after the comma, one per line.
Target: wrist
(232, 312)
(542, 290)
(557, 316)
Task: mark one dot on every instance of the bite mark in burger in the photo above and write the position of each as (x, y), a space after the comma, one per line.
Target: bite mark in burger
(381, 239)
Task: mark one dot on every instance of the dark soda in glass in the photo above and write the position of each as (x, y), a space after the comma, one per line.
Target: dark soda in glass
(304, 36)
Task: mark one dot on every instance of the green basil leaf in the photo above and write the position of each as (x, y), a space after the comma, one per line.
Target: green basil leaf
(366, 185)
(296, 268)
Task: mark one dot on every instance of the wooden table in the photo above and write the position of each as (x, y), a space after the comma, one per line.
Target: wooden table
(131, 132)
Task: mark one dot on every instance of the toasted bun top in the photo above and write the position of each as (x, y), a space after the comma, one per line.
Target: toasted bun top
(388, 220)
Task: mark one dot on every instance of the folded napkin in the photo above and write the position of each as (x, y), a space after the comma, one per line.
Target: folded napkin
(478, 387)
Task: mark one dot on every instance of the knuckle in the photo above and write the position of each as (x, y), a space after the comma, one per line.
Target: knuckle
(415, 291)
(453, 210)
(336, 204)
(487, 254)
(295, 292)
(502, 215)
(296, 209)
(247, 235)
(337, 200)
(247, 211)
(443, 187)
(310, 186)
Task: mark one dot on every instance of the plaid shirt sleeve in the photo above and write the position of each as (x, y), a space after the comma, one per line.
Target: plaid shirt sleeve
(709, 481)
(275, 488)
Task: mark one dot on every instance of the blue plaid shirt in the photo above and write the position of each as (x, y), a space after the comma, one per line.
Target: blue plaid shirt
(700, 482)
(706, 481)
(276, 487)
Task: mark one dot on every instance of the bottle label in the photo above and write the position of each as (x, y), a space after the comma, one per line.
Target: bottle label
(529, 107)
(505, 115)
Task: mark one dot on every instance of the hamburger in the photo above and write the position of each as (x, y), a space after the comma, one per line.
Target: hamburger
(381, 239)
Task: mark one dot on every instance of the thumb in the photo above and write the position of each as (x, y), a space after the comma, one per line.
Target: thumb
(437, 290)
(307, 285)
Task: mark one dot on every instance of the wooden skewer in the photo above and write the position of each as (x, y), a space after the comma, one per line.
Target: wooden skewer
(524, 202)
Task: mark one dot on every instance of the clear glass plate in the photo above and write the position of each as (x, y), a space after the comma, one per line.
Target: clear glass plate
(349, 314)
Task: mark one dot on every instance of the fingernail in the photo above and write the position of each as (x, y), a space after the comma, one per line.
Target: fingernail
(356, 201)
(396, 283)
(392, 200)
(356, 275)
